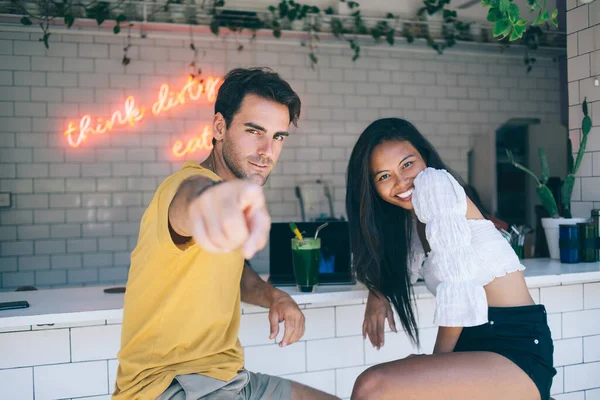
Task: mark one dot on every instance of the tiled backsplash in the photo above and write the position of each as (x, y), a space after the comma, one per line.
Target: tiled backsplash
(76, 211)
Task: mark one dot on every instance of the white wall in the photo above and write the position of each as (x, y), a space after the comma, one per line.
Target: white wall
(75, 211)
(583, 51)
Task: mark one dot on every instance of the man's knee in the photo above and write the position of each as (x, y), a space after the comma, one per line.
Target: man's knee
(368, 384)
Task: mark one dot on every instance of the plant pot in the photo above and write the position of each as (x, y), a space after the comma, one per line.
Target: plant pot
(551, 230)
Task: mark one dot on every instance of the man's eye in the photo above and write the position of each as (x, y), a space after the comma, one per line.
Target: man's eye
(253, 131)
(279, 138)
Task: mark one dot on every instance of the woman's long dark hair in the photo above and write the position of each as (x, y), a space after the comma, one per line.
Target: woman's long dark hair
(380, 233)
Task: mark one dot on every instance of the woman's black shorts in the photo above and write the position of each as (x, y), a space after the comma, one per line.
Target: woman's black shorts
(520, 334)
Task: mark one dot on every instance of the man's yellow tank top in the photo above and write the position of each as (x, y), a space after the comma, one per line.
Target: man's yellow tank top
(182, 305)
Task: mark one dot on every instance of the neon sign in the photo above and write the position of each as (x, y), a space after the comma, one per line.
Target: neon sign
(131, 114)
(202, 142)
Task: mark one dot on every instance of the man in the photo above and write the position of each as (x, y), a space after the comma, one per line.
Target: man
(182, 306)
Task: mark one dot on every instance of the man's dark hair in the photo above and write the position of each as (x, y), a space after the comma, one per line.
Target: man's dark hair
(262, 82)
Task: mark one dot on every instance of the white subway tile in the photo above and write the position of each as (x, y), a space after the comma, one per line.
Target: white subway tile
(591, 291)
(320, 323)
(322, 380)
(581, 323)
(17, 383)
(397, 345)
(349, 320)
(582, 376)
(113, 366)
(275, 360)
(591, 348)
(334, 353)
(21, 349)
(255, 329)
(95, 342)
(555, 325)
(345, 378)
(71, 380)
(562, 298)
(558, 381)
(570, 396)
(593, 394)
(568, 352)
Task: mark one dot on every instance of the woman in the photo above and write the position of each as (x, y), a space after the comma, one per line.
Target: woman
(410, 218)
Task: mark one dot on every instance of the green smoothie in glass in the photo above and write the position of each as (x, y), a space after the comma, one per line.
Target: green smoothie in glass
(306, 255)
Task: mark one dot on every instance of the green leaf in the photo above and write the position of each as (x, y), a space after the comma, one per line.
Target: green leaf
(586, 125)
(539, 20)
(522, 22)
(219, 3)
(100, 19)
(192, 46)
(277, 33)
(121, 18)
(570, 160)
(494, 15)
(26, 21)
(504, 5)
(530, 3)
(502, 28)
(554, 18)
(69, 19)
(514, 13)
(116, 29)
(517, 32)
(485, 3)
(545, 167)
(547, 200)
(584, 107)
(313, 58)
(214, 27)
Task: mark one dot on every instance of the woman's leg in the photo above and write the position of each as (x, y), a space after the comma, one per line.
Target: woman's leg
(449, 376)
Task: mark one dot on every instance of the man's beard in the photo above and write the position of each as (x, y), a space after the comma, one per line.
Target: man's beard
(234, 164)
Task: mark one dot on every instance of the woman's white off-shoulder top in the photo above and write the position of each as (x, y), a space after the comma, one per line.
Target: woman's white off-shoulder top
(466, 254)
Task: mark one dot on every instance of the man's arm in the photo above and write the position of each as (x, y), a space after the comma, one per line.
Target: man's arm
(282, 308)
(179, 218)
(254, 290)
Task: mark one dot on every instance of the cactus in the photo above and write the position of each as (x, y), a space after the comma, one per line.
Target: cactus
(541, 189)
(566, 190)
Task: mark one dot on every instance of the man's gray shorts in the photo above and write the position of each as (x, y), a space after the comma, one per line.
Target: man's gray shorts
(245, 385)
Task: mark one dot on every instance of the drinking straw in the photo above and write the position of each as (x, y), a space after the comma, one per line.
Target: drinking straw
(296, 231)
(320, 227)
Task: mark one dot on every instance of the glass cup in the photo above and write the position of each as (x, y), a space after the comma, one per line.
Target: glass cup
(306, 255)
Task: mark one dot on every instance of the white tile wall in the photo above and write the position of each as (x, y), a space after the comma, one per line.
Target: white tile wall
(95, 342)
(76, 211)
(21, 349)
(335, 353)
(330, 364)
(582, 376)
(70, 380)
(562, 298)
(583, 26)
(17, 383)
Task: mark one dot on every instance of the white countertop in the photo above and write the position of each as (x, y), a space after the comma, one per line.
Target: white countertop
(76, 305)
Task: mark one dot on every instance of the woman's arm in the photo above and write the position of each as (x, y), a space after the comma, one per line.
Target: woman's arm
(446, 339)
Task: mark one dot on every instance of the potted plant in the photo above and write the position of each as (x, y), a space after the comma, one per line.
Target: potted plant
(559, 215)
